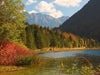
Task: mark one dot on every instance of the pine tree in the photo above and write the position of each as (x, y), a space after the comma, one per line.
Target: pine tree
(30, 38)
(75, 44)
(38, 37)
(53, 42)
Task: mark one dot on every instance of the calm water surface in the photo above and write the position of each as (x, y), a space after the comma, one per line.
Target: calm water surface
(71, 53)
(51, 63)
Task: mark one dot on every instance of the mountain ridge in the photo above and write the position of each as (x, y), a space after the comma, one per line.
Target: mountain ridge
(85, 22)
(45, 20)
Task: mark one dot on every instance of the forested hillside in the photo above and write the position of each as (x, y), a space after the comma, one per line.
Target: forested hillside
(86, 22)
(37, 37)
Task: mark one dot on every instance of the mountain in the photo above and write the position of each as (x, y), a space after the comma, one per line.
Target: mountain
(63, 19)
(86, 22)
(45, 20)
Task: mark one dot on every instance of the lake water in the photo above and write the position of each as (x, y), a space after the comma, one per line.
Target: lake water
(71, 53)
(51, 63)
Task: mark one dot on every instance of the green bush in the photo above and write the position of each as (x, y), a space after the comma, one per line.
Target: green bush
(27, 60)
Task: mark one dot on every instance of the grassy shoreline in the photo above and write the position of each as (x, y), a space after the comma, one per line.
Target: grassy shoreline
(4, 69)
(62, 49)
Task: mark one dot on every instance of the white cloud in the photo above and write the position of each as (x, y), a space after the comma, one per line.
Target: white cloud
(30, 2)
(33, 11)
(67, 3)
(45, 7)
(56, 14)
(49, 8)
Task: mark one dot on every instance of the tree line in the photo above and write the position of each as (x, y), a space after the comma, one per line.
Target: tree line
(37, 37)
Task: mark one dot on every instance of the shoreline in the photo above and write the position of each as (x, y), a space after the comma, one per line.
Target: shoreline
(62, 49)
(5, 69)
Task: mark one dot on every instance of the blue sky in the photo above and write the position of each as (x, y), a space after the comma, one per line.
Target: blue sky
(54, 8)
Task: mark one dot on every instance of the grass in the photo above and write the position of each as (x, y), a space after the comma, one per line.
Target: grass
(27, 60)
(68, 66)
(74, 68)
(10, 68)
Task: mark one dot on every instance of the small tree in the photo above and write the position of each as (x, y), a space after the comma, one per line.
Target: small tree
(53, 43)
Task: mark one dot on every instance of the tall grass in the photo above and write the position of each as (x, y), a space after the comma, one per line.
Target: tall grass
(80, 68)
(27, 60)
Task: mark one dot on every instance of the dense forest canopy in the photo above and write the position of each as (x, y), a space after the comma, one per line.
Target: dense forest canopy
(38, 37)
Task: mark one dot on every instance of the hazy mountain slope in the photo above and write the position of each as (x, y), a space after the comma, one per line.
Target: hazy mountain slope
(86, 22)
(63, 18)
(45, 20)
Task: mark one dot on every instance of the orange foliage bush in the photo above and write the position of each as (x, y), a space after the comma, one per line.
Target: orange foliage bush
(65, 35)
(44, 31)
(9, 52)
(73, 36)
(59, 32)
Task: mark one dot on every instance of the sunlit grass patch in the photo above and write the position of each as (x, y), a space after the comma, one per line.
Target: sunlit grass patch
(10, 68)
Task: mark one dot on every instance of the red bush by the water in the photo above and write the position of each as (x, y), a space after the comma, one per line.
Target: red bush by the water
(9, 52)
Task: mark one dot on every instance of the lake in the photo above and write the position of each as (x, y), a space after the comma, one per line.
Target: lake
(56, 63)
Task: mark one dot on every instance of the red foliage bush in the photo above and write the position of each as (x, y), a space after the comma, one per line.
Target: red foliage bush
(9, 52)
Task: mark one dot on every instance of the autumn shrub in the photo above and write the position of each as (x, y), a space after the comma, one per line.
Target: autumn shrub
(10, 52)
(23, 60)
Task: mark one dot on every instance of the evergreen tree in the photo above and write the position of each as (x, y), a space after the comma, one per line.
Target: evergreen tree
(30, 38)
(80, 43)
(38, 37)
(70, 38)
(53, 42)
(75, 44)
